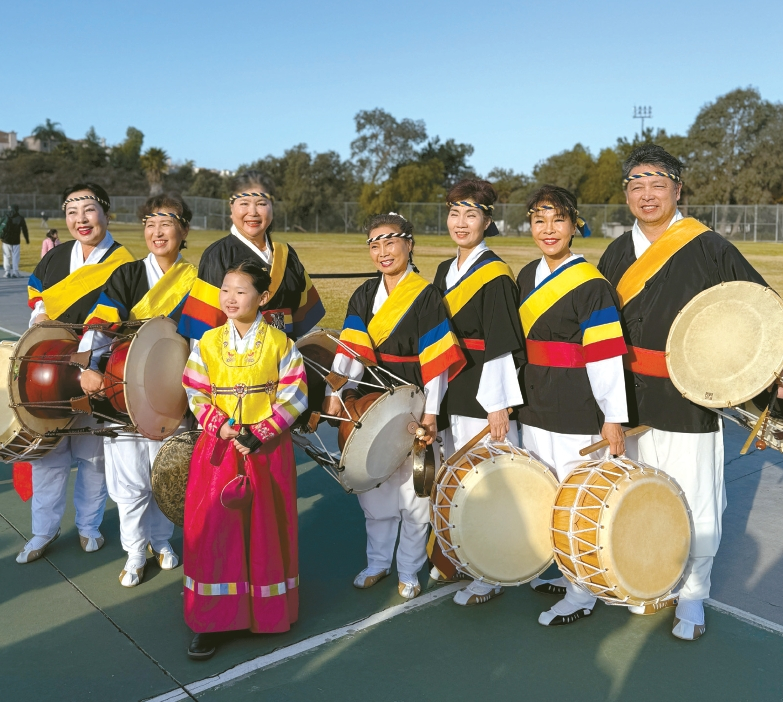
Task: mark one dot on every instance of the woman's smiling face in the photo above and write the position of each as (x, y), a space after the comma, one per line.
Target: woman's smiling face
(86, 220)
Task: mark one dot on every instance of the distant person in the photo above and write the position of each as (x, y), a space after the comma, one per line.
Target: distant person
(13, 226)
(44, 220)
(50, 241)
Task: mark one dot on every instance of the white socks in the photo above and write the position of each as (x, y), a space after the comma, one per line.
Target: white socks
(37, 542)
(691, 611)
(408, 579)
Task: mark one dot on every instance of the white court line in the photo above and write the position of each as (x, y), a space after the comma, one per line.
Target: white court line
(303, 646)
(747, 617)
(10, 331)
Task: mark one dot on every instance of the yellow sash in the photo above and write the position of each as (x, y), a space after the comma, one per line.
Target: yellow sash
(167, 293)
(541, 299)
(651, 261)
(466, 288)
(81, 282)
(279, 262)
(394, 308)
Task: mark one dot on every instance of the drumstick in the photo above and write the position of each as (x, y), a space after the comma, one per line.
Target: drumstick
(459, 454)
(604, 443)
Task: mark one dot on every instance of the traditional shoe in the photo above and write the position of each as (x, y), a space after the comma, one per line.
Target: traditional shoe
(368, 577)
(29, 554)
(438, 577)
(90, 543)
(548, 587)
(653, 608)
(408, 591)
(132, 574)
(552, 618)
(477, 593)
(166, 557)
(203, 646)
(687, 631)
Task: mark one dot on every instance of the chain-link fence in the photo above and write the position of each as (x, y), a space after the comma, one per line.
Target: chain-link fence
(735, 222)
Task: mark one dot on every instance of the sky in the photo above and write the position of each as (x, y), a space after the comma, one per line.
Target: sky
(224, 84)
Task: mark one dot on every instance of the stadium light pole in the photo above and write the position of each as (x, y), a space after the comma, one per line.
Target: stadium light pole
(642, 113)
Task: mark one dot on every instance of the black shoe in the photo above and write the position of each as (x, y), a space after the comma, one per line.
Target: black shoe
(547, 587)
(203, 646)
(562, 619)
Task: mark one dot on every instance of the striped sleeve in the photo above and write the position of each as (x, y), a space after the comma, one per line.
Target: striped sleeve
(291, 399)
(201, 311)
(34, 291)
(195, 380)
(439, 351)
(310, 311)
(107, 311)
(356, 337)
(602, 335)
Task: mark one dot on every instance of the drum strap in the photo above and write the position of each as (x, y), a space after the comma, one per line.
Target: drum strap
(554, 354)
(646, 362)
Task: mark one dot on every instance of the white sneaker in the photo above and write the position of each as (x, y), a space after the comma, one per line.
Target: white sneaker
(133, 572)
(165, 556)
(35, 548)
(477, 593)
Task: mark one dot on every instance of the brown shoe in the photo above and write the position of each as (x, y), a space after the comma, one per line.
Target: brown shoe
(408, 591)
(687, 631)
(367, 578)
(653, 608)
(90, 544)
(29, 555)
(132, 577)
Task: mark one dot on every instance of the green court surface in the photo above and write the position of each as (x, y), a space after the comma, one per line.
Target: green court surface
(68, 631)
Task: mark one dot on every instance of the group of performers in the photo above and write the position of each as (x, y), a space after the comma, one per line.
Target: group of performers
(553, 359)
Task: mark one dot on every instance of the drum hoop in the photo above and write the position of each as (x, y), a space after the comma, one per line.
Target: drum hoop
(603, 592)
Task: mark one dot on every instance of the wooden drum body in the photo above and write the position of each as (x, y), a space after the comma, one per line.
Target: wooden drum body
(490, 513)
(622, 530)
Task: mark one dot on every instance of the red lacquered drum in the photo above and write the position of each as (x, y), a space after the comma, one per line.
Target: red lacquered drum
(114, 377)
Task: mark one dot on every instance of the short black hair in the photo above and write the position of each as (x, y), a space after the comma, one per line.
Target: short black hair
(258, 274)
(564, 201)
(391, 219)
(94, 188)
(244, 180)
(653, 155)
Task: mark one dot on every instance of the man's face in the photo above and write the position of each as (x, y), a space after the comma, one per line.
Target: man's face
(652, 199)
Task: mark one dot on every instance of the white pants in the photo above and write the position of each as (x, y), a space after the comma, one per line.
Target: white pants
(561, 452)
(129, 462)
(385, 507)
(695, 461)
(11, 254)
(463, 429)
(50, 482)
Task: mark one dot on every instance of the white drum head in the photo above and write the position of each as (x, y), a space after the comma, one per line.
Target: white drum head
(376, 449)
(726, 345)
(500, 519)
(154, 394)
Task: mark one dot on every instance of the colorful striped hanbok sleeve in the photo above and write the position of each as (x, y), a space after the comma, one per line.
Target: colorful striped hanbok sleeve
(439, 351)
(34, 291)
(107, 310)
(310, 311)
(291, 398)
(356, 337)
(201, 311)
(198, 389)
(602, 335)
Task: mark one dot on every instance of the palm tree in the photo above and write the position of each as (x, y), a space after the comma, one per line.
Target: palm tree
(154, 163)
(49, 134)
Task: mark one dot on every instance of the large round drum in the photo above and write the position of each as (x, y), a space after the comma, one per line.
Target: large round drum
(726, 345)
(318, 349)
(381, 439)
(490, 514)
(622, 530)
(170, 475)
(143, 378)
(16, 442)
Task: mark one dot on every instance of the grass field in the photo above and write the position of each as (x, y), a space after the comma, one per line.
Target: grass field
(347, 253)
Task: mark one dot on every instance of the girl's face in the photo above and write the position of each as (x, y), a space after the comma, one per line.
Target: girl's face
(86, 219)
(390, 256)
(239, 299)
(552, 232)
(252, 215)
(164, 235)
(467, 226)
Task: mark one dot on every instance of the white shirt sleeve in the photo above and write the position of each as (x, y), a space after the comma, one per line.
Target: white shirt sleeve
(348, 366)
(499, 385)
(434, 392)
(98, 342)
(38, 309)
(607, 381)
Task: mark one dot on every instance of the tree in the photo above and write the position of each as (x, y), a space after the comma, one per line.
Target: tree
(510, 186)
(382, 143)
(568, 169)
(127, 154)
(154, 163)
(207, 183)
(414, 182)
(49, 134)
(603, 183)
(453, 157)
